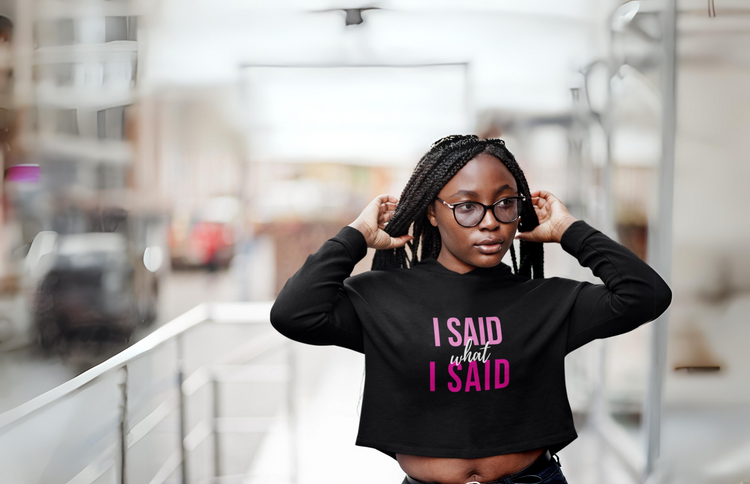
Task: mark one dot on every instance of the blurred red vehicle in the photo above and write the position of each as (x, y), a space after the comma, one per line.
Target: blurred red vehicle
(205, 238)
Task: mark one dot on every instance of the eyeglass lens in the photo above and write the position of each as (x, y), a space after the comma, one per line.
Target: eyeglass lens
(471, 213)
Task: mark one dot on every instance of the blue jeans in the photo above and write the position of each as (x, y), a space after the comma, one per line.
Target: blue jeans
(549, 474)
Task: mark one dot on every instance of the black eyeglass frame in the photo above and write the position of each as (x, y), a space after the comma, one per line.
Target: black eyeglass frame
(453, 206)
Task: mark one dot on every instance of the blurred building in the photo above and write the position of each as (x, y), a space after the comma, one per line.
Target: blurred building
(242, 135)
(71, 119)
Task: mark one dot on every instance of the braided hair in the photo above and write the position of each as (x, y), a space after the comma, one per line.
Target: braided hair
(443, 160)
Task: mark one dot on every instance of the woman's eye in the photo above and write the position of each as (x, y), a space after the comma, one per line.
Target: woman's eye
(466, 207)
(506, 202)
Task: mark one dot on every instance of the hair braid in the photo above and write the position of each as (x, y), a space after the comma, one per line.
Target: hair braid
(444, 159)
(532, 253)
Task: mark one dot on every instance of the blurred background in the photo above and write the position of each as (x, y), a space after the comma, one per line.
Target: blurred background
(168, 165)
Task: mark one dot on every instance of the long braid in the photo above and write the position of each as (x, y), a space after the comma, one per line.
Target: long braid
(532, 253)
(444, 159)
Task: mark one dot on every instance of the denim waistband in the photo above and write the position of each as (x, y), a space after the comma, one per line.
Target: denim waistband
(535, 472)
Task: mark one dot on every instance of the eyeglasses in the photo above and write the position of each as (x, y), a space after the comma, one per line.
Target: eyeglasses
(469, 214)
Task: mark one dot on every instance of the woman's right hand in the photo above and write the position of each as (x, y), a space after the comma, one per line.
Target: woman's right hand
(372, 220)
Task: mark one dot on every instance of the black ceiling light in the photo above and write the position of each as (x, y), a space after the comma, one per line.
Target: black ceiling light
(353, 15)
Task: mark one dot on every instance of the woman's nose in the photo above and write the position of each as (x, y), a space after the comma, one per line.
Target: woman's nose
(489, 221)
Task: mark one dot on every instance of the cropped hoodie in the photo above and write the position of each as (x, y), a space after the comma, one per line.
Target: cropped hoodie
(466, 365)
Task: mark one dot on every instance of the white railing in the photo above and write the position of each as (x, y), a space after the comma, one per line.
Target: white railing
(189, 403)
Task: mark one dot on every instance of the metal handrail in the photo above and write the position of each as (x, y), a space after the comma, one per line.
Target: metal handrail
(221, 313)
(160, 336)
(199, 314)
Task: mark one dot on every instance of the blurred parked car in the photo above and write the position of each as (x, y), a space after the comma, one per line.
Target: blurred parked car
(93, 289)
(204, 237)
(95, 277)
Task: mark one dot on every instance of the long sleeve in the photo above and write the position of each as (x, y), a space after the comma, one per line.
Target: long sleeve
(313, 306)
(633, 293)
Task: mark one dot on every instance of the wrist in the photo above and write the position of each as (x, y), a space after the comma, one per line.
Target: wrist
(561, 227)
(361, 227)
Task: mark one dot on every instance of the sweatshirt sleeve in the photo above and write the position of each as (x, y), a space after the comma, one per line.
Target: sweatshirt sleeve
(313, 306)
(632, 294)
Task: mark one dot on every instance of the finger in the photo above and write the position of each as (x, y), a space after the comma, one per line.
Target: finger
(524, 236)
(388, 206)
(400, 241)
(546, 196)
(385, 198)
(383, 222)
(385, 211)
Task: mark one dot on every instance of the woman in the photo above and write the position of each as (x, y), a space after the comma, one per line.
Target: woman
(464, 356)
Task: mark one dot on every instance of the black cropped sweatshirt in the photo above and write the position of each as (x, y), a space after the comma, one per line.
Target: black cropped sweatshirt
(466, 365)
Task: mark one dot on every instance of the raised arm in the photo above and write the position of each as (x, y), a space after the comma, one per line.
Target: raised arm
(313, 307)
(632, 294)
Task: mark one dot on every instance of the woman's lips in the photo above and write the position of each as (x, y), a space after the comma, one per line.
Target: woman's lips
(488, 248)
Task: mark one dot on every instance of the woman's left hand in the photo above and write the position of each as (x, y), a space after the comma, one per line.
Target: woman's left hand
(554, 218)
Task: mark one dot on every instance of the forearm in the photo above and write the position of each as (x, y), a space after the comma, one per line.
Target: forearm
(312, 307)
(633, 292)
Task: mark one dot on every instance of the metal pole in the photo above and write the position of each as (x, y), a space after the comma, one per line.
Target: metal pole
(123, 427)
(183, 413)
(245, 227)
(660, 239)
(292, 413)
(215, 426)
(610, 224)
(575, 173)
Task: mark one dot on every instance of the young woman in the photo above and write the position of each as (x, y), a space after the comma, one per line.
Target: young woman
(464, 356)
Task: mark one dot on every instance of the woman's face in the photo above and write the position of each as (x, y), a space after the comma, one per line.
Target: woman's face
(483, 179)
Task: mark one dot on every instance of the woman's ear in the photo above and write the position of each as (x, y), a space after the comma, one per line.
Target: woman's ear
(431, 214)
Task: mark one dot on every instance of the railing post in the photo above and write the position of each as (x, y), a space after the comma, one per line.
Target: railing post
(292, 409)
(215, 413)
(660, 238)
(123, 430)
(182, 410)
